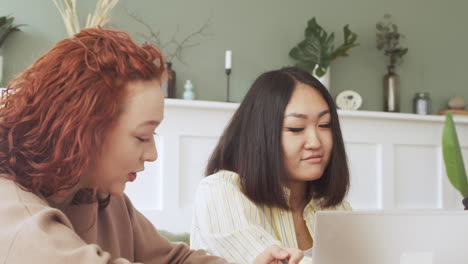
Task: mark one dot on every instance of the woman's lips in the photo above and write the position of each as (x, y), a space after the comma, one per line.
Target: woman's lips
(314, 159)
(131, 176)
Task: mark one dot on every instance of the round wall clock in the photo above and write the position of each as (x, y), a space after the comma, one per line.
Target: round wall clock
(348, 100)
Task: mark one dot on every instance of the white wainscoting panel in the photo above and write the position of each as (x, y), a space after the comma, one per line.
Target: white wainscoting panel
(418, 176)
(395, 161)
(194, 151)
(366, 175)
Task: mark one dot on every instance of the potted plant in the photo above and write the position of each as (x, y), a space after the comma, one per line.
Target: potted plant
(388, 40)
(453, 158)
(315, 53)
(6, 28)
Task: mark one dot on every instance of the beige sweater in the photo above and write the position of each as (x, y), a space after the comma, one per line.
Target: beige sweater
(31, 231)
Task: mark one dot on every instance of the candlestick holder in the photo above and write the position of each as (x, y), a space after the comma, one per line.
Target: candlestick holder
(228, 74)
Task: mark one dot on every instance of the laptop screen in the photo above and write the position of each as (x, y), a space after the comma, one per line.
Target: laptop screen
(402, 237)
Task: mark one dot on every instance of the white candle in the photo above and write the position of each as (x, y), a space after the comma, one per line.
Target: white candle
(228, 59)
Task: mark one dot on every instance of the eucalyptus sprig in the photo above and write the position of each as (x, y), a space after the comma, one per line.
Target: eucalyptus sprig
(315, 53)
(388, 39)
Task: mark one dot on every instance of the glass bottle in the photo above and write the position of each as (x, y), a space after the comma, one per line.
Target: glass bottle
(422, 103)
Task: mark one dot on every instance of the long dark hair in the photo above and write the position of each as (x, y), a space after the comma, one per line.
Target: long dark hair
(251, 143)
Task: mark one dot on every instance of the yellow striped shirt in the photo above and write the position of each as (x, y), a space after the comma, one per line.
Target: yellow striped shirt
(226, 223)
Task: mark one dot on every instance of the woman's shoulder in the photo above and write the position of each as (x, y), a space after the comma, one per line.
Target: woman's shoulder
(21, 207)
(343, 206)
(12, 195)
(219, 185)
(346, 206)
(23, 213)
(222, 177)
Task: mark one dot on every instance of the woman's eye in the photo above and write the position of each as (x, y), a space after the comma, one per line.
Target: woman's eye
(328, 125)
(295, 129)
(142, 139)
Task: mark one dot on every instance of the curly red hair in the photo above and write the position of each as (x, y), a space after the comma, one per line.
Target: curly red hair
(55, 113)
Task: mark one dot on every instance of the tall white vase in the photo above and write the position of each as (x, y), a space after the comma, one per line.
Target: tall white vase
(325, 79)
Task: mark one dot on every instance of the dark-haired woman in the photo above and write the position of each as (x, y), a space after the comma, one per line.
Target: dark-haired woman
(280, 159)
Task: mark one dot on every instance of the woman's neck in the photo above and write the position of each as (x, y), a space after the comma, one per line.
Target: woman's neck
(298, 197)
(64, 198)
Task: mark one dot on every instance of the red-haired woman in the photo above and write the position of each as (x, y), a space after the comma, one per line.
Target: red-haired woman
(74, 128)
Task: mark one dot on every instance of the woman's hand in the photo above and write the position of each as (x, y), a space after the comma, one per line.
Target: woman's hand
(274, 255)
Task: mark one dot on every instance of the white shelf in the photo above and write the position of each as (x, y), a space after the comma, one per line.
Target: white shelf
(198, 104)
(213, 105)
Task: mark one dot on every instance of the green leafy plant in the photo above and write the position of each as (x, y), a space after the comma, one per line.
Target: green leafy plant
(453, 158)
(388, 39)
(315, 53)
(7, 27)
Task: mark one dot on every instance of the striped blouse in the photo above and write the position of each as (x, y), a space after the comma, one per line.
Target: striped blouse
(226, 223)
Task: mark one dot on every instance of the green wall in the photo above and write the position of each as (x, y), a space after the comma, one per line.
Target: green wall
(261, 32)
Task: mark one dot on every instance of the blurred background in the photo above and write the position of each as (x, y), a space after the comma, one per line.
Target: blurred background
(261, 33)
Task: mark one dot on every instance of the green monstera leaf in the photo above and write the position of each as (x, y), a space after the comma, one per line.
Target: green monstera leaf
(315, 53)
(453, 157)
(349, 42)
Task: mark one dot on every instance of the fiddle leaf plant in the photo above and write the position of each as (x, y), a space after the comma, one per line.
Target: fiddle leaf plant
(315, 53)
(453, 158)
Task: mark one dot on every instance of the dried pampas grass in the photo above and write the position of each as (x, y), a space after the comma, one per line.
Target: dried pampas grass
(67, 9)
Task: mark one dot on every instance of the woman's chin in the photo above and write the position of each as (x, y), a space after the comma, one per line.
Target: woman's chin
(113, 190)
(310, 175)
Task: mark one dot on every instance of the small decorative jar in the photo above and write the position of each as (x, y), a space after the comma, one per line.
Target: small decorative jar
(422, 103)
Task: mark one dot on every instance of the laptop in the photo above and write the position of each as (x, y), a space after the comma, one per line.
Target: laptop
(401, 237)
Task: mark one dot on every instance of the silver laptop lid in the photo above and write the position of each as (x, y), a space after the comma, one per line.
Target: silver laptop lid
(419, 237)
